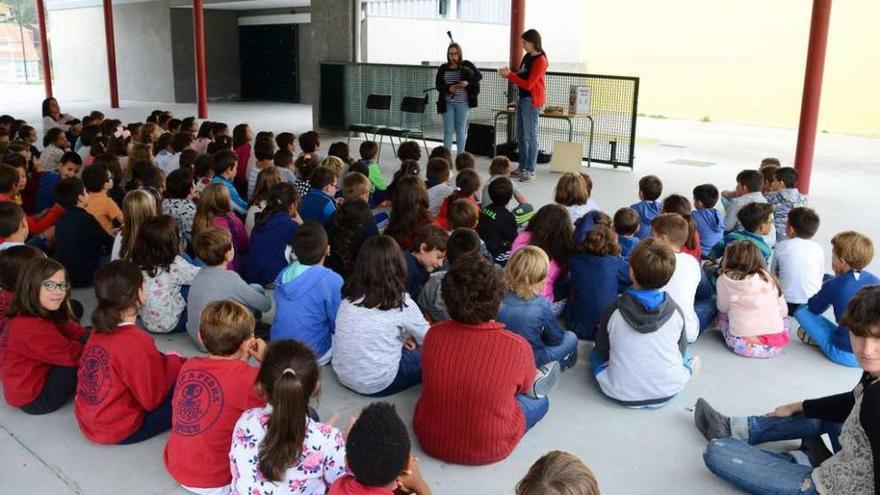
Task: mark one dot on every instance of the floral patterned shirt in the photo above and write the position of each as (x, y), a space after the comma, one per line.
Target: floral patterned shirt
(321, 462)
(164, 303)
(184, 211)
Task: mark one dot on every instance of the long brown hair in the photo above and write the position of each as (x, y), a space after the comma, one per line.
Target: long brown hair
(117, 288)
(552, 231)
(289, 377)
(137, 207)
(676, 203)
(742, 259)
(533, 37)
(213, 202)
(239, 135)
(158, 244)
(460, 53)
(409, 209)
(379, 275)
(27, 291)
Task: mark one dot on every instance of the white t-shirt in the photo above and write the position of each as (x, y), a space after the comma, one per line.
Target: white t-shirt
(800, 266)
(436, 196)
(682, 288)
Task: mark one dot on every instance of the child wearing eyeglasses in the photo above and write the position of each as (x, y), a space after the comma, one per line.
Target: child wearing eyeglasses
(43, 340)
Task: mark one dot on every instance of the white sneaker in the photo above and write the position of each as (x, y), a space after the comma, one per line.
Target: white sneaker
(546, 379)
(696, 365)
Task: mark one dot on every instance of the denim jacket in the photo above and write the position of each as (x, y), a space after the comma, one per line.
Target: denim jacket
(533, 320)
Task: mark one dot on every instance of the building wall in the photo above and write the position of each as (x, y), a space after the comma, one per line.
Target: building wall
(221, 52)
(143, 47)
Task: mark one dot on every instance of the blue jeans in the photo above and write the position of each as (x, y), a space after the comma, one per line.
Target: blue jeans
(761, 429)
(527, 133)
(757, 471)
(533, 409)
(822, 331)
(568, 347)
(455, 119)
(706, 310)
(409, 373)
(155, 422)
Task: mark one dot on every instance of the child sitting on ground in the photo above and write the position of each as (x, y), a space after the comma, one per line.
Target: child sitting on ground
(42, 340)
(13, 225)
(379, 456)
(409, 211)
(309, 144)
(799, 262)
(710, 223)
(748, 190)
(351, 225)
(571, 192)
(214, 282)
(97, 181)
(463, 160)
(676, 203)
(752, 313)
(650, 189)
(264, 151)
(283, 161)
(10, 188)
(211, 394)
(500, 167)
(307, 295)
(852, 252)
(266, 180)
(784, 196)
(215, 208)
(273, 235)
(598, 274)
(497, 225)
(305, 165)
(167, 275)
(225, 169)
(81, 244)
(177, 202)
(461, 241)
(530, 315)
(54, 145)
(138, 206)
(672, 230)
(438, 184)
(125, 384)
(644, 317)
(12, 259)
(70, 165)
(369, 151)
(429, 251)
(626, 225)
(280, 445)
(558, 473)
(467, 184)
(512, 396)
(319, 204)
(549, 231)
(756, 220)
(378, 325)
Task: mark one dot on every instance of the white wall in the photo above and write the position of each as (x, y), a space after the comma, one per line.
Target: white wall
(79, 60)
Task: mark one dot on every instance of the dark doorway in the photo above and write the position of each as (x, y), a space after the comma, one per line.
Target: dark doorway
(269, 62)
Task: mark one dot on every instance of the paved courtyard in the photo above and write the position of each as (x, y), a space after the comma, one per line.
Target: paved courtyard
(630, 451)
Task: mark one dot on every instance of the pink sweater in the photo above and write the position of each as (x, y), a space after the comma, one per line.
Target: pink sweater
(240, 241)
(753, 306)
(524, 239)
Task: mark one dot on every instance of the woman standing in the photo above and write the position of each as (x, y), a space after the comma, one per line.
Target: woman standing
(458, 82)
(530, 81)
(52, 116)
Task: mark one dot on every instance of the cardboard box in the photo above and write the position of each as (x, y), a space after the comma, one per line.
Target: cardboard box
(579, 100)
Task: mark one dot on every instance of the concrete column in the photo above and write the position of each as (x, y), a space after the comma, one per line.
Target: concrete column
(328, 16)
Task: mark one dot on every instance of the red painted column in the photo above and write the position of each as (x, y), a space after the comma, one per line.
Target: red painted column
(806, 143)
(111, 53)
(44, 48)
(517, 26)
(199, 49)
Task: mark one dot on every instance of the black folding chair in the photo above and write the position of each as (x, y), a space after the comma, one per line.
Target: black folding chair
(376, 105)
(410, 107)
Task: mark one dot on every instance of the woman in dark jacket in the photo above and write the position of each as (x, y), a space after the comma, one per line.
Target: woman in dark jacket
(458, 82)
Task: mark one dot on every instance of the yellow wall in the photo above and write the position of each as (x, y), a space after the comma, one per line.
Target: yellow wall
(738, 61)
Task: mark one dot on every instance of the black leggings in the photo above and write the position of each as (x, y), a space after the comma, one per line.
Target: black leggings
(60, 387)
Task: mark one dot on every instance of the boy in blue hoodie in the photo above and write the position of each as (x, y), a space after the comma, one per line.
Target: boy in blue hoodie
(307, 295)
(710, 223)
(319, 204)
(650, 189)
(626, 224)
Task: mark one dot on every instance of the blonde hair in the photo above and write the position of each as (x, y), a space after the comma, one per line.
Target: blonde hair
(137, 207)
(333, 163)
(571, 189)
(558, 473)
(854, 248)
(355, 185)
(526, 272)
(138, 152)
(214, 201)
(224, 326)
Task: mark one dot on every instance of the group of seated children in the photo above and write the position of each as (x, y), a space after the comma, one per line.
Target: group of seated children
(393, 284)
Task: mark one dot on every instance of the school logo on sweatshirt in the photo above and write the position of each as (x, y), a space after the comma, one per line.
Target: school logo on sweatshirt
(94, 375)
(198, 401)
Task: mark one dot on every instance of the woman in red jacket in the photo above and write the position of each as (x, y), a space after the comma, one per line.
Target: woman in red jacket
(125, 383)
(530, 81)
(43, 340)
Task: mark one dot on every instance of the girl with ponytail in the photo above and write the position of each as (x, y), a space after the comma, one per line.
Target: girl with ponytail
(279, 448)
(125, 384)
(272, 238)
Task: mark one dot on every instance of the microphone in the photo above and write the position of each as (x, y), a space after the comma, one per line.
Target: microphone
(449, 33)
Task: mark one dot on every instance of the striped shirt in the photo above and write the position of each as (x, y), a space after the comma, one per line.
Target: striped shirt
(452, 77)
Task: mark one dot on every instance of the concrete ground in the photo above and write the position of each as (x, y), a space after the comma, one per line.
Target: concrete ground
(629, 451)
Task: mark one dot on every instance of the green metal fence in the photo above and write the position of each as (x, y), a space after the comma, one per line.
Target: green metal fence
(614, 102)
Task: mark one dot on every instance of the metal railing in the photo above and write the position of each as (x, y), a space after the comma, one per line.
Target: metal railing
(614, 104)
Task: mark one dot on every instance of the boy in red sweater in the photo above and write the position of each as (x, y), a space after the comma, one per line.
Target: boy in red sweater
(210, 395)
(125, 383)
(43, 342)
(467, 414)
